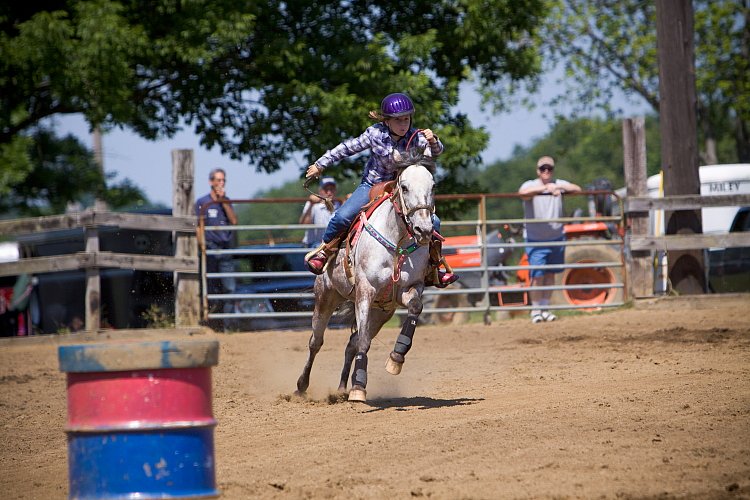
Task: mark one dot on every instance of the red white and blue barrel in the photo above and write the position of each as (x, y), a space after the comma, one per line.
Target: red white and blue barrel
(140, 419)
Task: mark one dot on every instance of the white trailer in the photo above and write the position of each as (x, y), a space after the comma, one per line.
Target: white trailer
(715, 180)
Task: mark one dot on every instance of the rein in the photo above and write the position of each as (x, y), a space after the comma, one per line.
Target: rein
(327, 200)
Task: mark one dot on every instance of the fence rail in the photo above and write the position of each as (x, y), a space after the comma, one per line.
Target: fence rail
(92, 260)
(437, 302)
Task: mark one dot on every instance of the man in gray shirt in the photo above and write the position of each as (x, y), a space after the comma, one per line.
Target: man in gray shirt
(542, 200)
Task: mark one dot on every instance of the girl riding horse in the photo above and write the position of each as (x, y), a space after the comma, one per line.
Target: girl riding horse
(392, 133)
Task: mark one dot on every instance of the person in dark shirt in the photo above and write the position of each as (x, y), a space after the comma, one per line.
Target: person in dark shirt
(216, 210)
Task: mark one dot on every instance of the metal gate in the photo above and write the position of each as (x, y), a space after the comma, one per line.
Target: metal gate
(281, 297)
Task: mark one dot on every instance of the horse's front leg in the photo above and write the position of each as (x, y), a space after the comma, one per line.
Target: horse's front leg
(366, 330)
(412, 298)
(349, 353)
(361, 341)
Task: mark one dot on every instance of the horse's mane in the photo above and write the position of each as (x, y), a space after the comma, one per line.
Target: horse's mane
(415, 156)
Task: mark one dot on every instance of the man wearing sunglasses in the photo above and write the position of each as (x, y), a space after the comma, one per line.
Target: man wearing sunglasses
(216, 210)
(542, 200)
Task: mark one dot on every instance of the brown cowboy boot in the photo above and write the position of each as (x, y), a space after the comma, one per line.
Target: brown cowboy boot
(317, 260)
(436, 277)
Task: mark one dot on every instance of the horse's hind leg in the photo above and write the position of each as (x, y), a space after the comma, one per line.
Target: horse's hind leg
(396, 359)
(325, 304)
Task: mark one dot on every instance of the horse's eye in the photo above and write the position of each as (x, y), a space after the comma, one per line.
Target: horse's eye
(404, 188)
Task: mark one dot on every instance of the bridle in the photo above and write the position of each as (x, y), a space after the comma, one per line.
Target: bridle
(404, 212)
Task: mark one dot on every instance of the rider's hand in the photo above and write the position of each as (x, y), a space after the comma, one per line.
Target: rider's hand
(429, 135)
(313, 171)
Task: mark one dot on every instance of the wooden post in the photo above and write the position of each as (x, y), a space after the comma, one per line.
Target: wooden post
(187, 290)
(679, 137)
(639, 269)
(93, 283)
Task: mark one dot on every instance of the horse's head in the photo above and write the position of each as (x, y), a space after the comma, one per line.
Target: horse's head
(415, 194)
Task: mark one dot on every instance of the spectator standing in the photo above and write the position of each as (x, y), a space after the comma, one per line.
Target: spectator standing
(542, 200)
(217, 210)
(316, 212)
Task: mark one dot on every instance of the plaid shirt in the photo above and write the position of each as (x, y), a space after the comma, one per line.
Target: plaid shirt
(378, 140)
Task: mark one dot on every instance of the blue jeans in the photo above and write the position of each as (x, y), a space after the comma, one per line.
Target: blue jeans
(220, 264)
(540, 256)
(346, 213)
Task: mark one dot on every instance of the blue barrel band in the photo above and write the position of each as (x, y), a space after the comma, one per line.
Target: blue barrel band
(175, 463)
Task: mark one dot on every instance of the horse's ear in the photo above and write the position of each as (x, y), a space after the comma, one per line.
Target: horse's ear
(397, 156)
(428, 152)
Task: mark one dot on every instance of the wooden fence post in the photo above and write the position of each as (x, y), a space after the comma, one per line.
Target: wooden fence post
(679, 137)
(640, 271)
(186, 284)
(93, 319)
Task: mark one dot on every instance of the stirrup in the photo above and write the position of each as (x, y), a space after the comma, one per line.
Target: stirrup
(445, 279)
(440, 279)
(316, 260)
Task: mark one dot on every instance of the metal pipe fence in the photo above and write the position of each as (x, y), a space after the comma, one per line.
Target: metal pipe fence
(286, 293)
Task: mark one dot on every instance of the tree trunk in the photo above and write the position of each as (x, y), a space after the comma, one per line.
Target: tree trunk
(709, 156)
(742, 138)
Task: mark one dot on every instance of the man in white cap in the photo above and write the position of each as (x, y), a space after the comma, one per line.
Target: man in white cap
(542, 200)
(315, 212)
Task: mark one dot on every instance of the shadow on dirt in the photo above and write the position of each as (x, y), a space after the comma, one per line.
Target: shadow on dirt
(417, 403)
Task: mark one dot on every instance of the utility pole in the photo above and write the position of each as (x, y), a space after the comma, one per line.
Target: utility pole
(679, 136)
(96, 139)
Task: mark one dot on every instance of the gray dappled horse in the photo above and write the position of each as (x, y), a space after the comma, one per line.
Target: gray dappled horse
(390, 261)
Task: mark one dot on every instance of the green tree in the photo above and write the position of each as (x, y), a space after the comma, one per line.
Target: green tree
(610, 46)
(261, 80)
(63, 171)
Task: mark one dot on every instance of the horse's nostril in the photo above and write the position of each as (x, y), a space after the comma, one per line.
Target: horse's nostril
(422, 233)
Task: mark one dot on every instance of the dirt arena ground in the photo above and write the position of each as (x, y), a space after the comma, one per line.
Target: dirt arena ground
(651, 401)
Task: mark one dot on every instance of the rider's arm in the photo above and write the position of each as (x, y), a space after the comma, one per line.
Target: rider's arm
(348, 148)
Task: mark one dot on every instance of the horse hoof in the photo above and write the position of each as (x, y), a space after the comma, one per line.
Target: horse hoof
(393, 367)
(358, 395)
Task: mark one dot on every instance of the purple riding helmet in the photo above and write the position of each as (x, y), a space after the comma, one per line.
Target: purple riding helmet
(395, 105)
